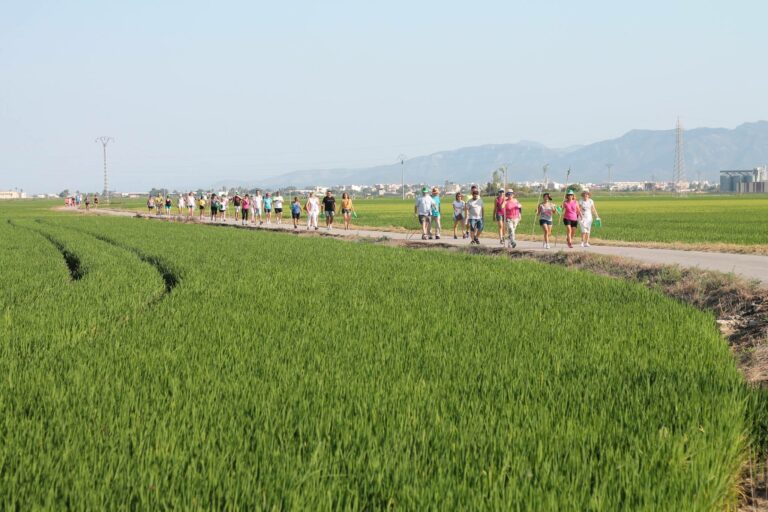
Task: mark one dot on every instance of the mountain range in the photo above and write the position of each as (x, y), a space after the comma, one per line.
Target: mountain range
(637, 155)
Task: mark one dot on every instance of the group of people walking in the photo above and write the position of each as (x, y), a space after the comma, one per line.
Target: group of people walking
(249, 209)
(469, 215)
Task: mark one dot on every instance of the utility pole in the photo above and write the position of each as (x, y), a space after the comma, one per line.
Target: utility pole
(104, 141)
(653, 186)
(679, 171)
(503, 170)
(610, 189)
(402, 159)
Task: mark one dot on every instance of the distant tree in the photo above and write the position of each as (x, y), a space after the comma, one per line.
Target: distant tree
(575, 187)
(64, 193)
(156, 192)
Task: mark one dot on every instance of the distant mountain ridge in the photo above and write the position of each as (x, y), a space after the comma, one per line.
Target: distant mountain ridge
(637, 155)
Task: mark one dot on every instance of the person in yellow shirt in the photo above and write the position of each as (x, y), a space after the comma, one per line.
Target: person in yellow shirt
(346, 209)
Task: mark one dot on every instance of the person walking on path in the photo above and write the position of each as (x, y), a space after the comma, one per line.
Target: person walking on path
(151, 204)
(459, 216)
(223, 203)
(475, 214)
(498, 213)
(181, 204)
(201, 205)
(214, 207)
(313, 210)
(346, 209)
(190, 205)
(571, 215)
(513, 211)
(245, 209)
(277, 202)
(168, 205)
(268, 207)
(238, 202)
(329, 207)
(545, 212)
(258, 204)
(434, 218)
(295, 212)
(587, 207)
(423, 210)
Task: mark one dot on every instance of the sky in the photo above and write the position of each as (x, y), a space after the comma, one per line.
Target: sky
(196, 92)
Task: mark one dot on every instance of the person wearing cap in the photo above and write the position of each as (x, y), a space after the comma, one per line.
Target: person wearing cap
(475, 215)
(513, 210)
(498, 213)
(258, 203)
(423, 210)
(587, 207)
(545, 211)
(245, 205)
(434, 215)
(571, 214)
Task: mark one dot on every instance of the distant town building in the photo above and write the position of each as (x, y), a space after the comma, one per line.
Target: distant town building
(12, 194)
(744, 181)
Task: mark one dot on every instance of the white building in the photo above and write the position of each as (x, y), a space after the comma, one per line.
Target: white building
(12, 194)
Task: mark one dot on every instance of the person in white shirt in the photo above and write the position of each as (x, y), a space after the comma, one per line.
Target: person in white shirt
(313, 209)
(277, 202)
(258, 203)
(459, 216)
(475, 215)
(181, 204)
(587, 206)
(423, 210)
(190, 205)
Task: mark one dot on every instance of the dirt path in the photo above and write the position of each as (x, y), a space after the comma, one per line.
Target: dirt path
(750, 266)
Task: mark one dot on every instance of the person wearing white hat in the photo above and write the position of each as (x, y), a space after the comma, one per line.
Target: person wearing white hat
(587, 207)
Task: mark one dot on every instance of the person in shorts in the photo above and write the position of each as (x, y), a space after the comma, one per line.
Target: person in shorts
(475, 211)
(295, 212)
(201, 206)
(346, 209)
(434, 217)
(571, 214)
(237, 201)
(459, 217)
(268, 207)
(258, 204)
(214, 207)
(329, 207)
(277, 202)
(151, 204)
(423, 210)
(545, 211)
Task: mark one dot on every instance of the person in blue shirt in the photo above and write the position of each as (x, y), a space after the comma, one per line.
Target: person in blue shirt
(268, 207)
(295, 212)
(434, 224)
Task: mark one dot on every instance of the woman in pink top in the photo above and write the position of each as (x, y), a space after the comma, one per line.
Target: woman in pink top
(498, 213)
(246, 208)
(571, 214)
(512, 211)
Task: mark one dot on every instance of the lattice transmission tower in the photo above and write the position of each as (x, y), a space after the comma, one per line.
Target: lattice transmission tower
(679, 172)
(104, 140)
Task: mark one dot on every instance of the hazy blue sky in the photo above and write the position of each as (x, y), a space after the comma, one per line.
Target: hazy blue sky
(195, 92)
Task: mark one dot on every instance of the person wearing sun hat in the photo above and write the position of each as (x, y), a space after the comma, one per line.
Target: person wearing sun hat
(571, 215)
(423, 210)
(587, 206)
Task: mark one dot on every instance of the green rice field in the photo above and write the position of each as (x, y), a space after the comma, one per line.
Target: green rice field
(706, 219)
(149, 365)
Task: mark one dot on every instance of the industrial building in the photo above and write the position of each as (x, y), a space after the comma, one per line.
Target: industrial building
(744, 181)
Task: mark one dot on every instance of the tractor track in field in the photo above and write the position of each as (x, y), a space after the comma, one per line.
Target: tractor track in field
(169, 275)
(71, 259)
